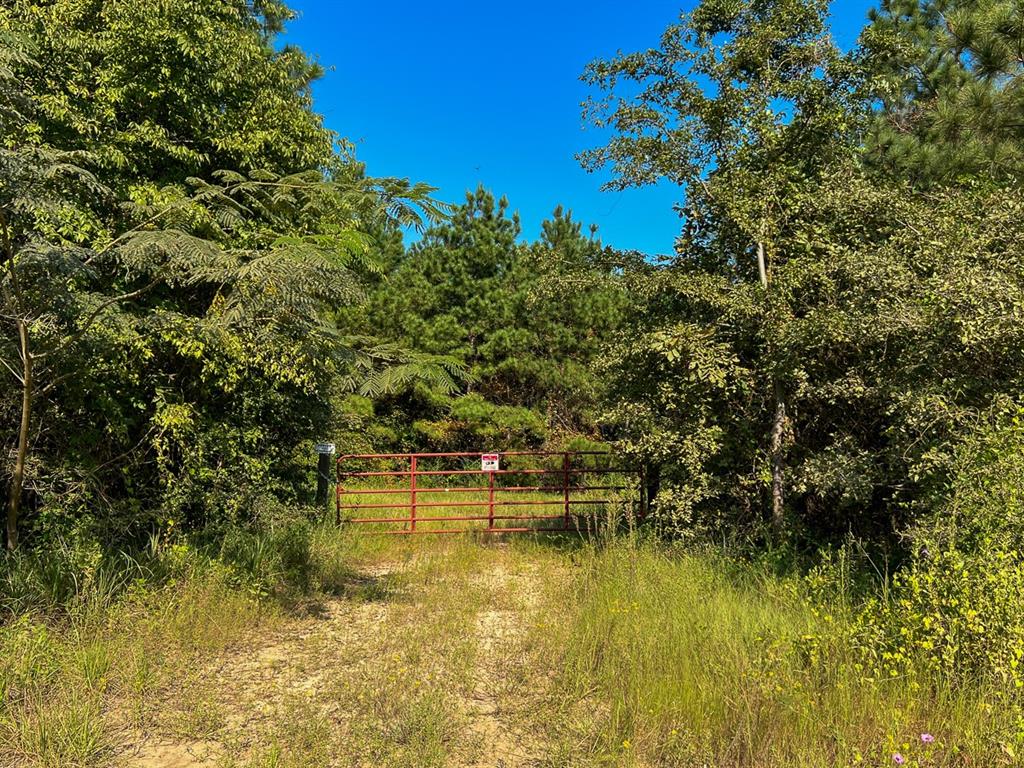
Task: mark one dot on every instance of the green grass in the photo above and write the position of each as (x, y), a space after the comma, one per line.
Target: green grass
(679, 659)
(598, 653)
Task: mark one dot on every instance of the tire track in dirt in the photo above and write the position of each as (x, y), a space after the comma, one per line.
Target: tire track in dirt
(253, 685)
(494, 708)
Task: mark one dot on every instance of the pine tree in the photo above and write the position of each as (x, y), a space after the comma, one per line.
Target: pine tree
(470, 292)
(948, 74)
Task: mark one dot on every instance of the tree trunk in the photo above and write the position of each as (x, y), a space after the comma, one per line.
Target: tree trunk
(652, 482)
(778, 436)
(778, 460)
(762, 266)
(18, 476)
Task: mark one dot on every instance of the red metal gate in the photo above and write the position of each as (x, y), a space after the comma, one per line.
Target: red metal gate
(392, 483)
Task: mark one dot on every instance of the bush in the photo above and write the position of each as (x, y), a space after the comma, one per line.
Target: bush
(263, 561)
(953, 614)
(272, 555)
(955, 607)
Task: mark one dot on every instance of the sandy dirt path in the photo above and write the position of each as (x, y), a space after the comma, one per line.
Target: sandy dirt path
(444, 650)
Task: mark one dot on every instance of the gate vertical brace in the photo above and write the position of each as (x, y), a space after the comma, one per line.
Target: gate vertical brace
(338, 490)
(565, 489)
(490, 500)
(412, 493)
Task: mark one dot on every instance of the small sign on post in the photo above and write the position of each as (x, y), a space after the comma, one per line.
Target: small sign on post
(327, 448)
(489, 462)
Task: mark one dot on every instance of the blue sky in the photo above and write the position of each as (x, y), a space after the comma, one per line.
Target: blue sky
(459, 93)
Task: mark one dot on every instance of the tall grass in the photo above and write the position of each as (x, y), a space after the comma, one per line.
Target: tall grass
(684, 659)
(627, 653)
(79, 631)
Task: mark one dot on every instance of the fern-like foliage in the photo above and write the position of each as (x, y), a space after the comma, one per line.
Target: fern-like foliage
(274, 255)
(377, 369)
(14, 102)
(166, 310)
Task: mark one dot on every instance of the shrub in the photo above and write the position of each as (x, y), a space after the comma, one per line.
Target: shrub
(950, 613)
(272, 555)
(954, 608)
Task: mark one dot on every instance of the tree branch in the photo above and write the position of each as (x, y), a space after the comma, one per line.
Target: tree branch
(14, 373)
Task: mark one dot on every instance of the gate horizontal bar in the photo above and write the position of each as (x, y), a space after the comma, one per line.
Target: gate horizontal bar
(443, 531)
(453, 518)
(504, 503)
(466, 454)
(479, 488)
(405, 472)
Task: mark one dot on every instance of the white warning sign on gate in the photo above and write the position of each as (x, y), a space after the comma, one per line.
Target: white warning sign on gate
(489, 462)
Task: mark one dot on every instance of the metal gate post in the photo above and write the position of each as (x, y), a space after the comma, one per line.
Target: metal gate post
(565, 489)
(412, 493)
(338, 490)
